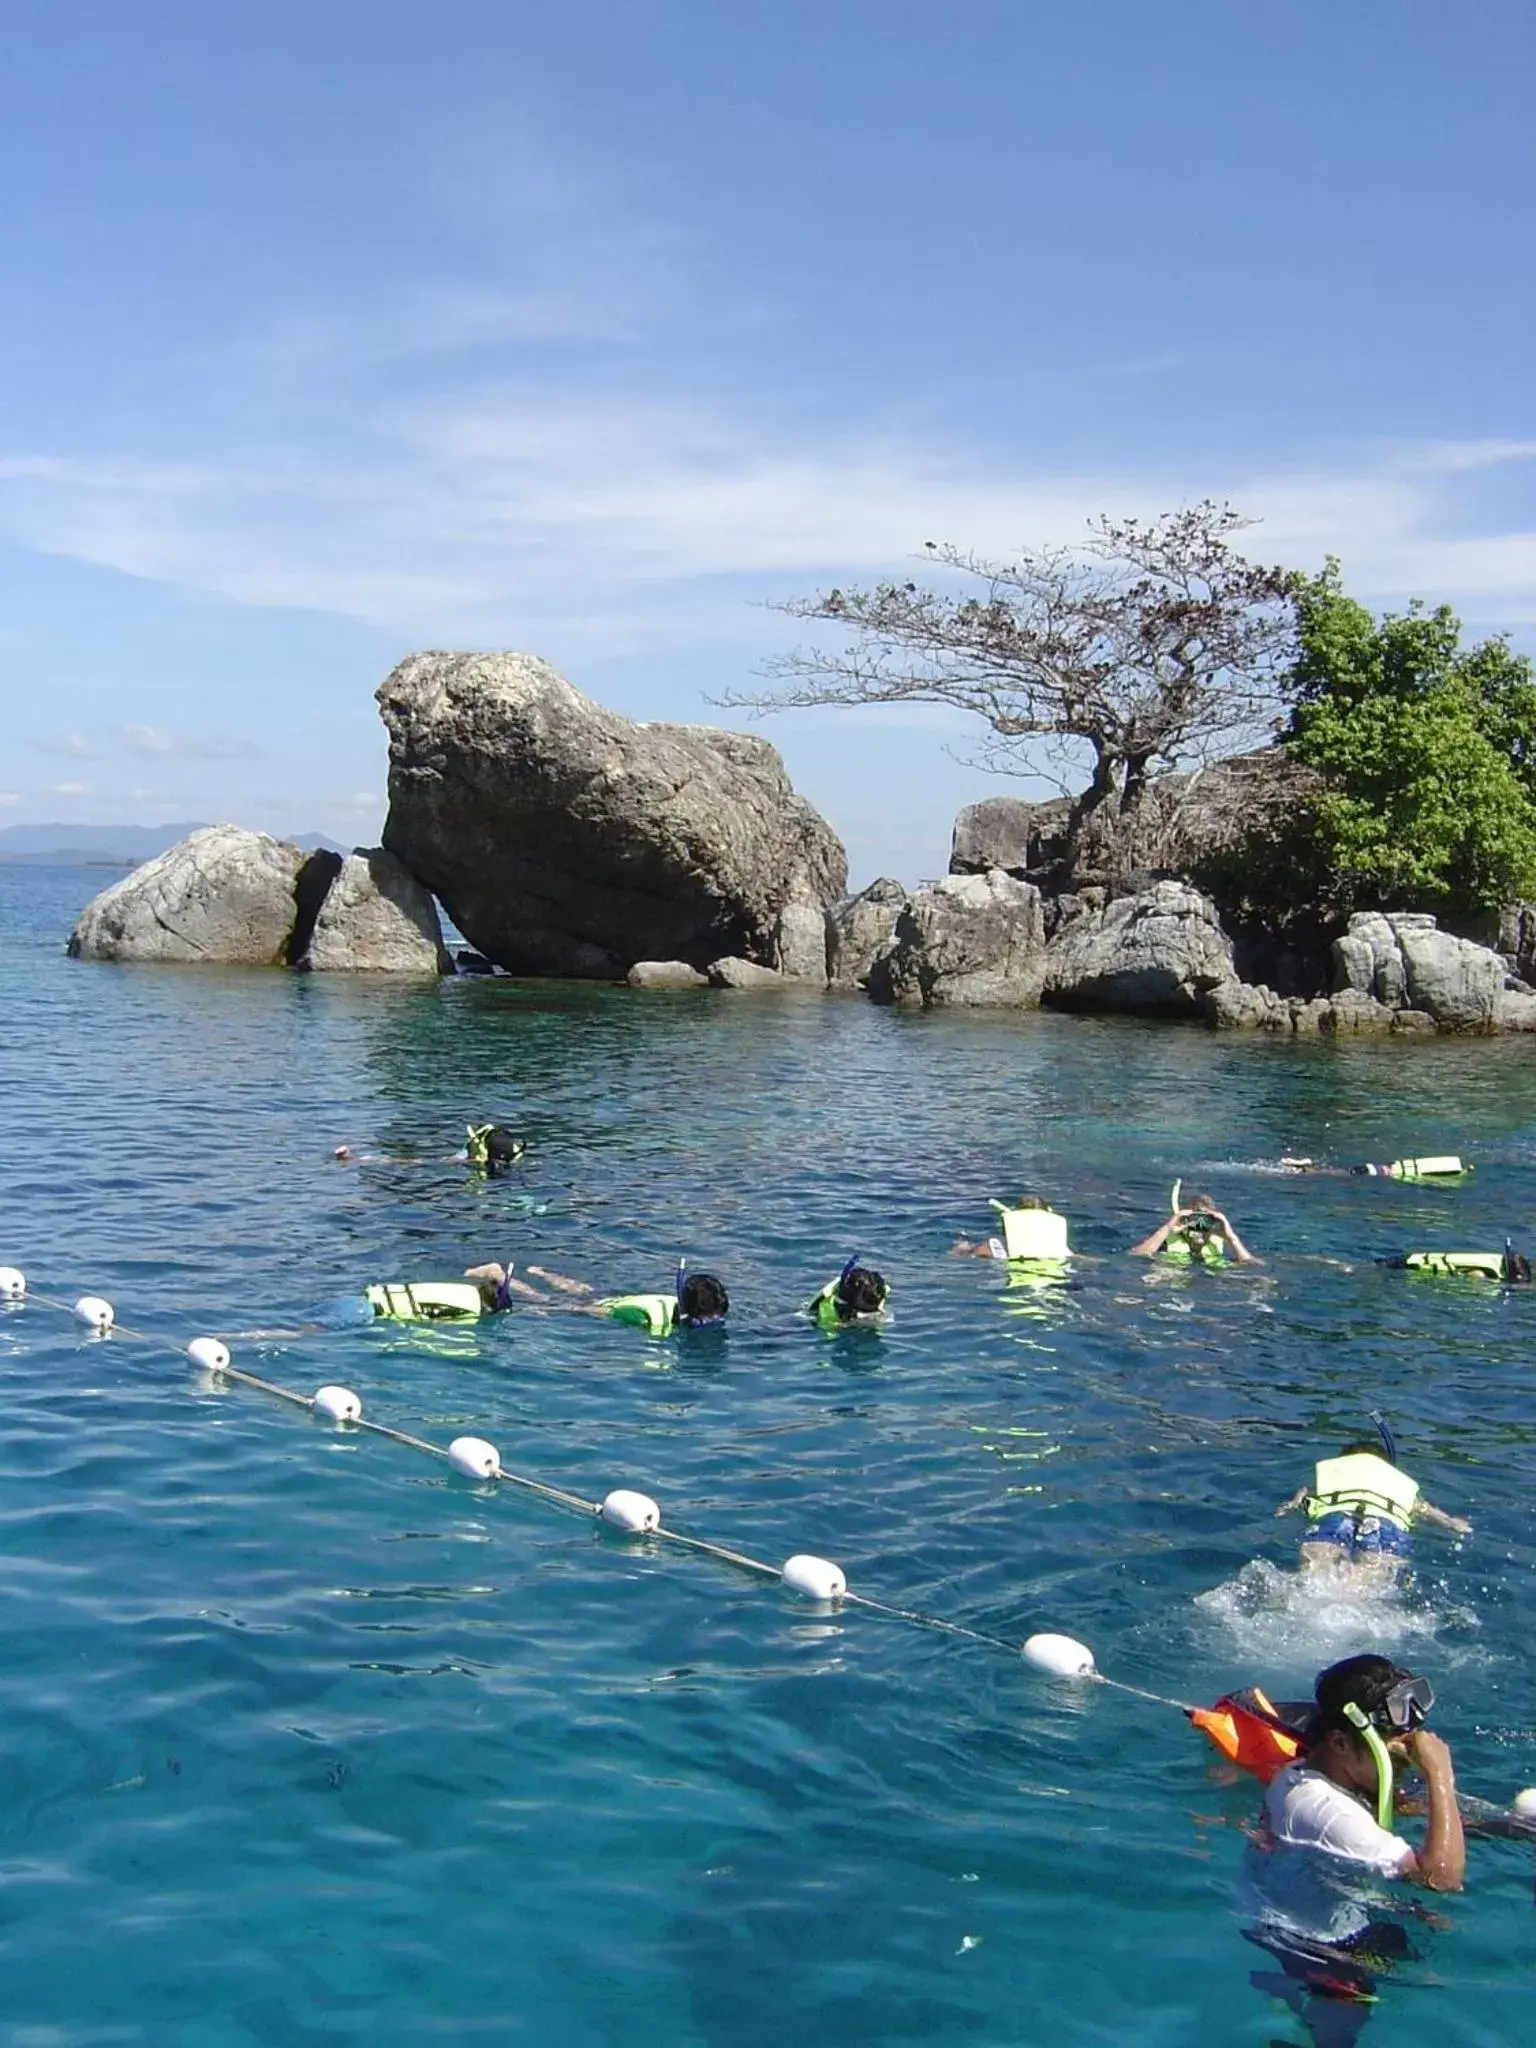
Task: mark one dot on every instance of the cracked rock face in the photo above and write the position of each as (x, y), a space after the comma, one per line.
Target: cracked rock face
(221, 895)
(232, 898)
(564, 839)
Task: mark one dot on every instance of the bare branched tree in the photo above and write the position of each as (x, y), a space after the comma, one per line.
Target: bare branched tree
(1154, 644)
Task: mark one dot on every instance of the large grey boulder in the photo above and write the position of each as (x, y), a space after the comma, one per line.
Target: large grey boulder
(1003, 832)
(375, 918)
(860, 929)
(801, 942)
(1405, 963)
(222, 895)
(971, 940)
(1160, 952)
(564, 839)
(665, 974)
(743, 974)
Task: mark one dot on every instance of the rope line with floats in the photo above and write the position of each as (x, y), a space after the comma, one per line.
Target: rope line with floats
(1244, 1726)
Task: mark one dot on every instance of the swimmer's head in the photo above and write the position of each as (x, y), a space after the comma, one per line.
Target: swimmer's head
(701, 1300)
(342, 1153)
(861, 1291)
(1517, 1268)
(492, 1145)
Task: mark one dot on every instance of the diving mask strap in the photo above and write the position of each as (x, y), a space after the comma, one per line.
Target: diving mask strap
(1360, 1721)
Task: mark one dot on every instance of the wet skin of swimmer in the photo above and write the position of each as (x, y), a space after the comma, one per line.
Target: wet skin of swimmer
(1361, 1508)
(1198, 1234)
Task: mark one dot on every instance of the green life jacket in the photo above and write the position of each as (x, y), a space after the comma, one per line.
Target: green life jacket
(426, 1301)
(1179, 1252)
(656, 1314)
(1479, 1265)
(1035, 1234)
(1447, 1167)
(1362, 1484)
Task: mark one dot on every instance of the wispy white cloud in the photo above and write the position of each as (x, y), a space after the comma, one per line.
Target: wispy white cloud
(71, 789)
(507, 515)
(147, 742)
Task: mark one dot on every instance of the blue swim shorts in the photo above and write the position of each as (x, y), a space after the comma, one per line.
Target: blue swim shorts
(1370, 1536)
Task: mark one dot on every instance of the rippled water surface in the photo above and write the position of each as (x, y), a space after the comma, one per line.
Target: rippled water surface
(305, 1740)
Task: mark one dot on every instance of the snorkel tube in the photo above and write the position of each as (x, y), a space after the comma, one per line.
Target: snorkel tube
(1381, 1756)
(1384, 1431)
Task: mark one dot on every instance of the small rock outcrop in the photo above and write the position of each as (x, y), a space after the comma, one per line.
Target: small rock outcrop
(1404, 962)
(801, 942)
(241, 899)
(564, 839)
(1159, 953)
(743, 974)
(971, 940)
(665, 974)
(860, 929)
(1004, 832)
(375, 919)
(222, 895)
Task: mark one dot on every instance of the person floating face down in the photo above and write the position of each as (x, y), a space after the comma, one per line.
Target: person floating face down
(857, 1297)
(1034, 1235)
(1444, 1167)
(484, 1290)
(1196, 1234)
(1360, 1509)
(1507, 1268)
(698, 1301)
(1327, 1838)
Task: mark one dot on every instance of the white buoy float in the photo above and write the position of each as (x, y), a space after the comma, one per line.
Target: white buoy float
(209, 1352)
(1524, 1803)
(340, 1404)
(1062, 1656)
(92, 1310)
(816, 1577)
(13, 1283)
(474, 1457)
(635, 1513)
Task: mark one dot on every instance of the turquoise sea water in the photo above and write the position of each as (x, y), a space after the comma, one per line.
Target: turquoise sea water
(306, 1741)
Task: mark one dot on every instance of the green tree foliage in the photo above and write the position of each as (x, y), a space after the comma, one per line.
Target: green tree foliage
(1427, 754)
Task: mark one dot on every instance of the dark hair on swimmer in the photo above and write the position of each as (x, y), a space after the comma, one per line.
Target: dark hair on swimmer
(1363, 1682)
(502, 1147)
(701, 1299)
(1205, 1203)
(1367, 1447)
(861, 1292)
(1517, 1269)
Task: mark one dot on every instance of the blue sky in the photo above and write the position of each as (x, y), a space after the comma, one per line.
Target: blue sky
(340, 329)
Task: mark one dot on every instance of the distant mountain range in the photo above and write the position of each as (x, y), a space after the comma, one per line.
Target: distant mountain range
(125, 846)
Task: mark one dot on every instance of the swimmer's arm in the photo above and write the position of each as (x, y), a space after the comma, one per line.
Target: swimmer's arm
(561, 1281)
(1289, 1507)
(1441, 1520)
(1151, 1246)
(1442, 1862)
(1240, 1251)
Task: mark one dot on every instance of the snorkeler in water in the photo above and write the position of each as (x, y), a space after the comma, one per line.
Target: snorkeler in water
(1447, 1167)
(698, 1301)
(1033, 1233)
(1508, 1268)
(1196, 1234)
(1361, 1507)
(857, 1296)
(491, 1147)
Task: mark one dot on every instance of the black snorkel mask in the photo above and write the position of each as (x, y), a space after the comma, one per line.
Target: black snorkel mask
(1405, 1708)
